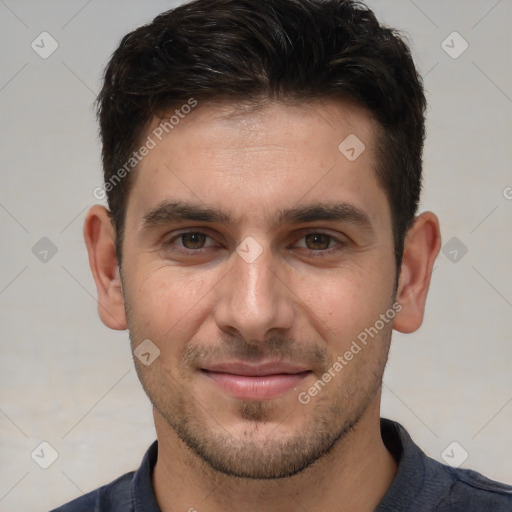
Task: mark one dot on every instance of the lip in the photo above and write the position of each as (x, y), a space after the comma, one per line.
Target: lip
(256, 382)
(256, 370)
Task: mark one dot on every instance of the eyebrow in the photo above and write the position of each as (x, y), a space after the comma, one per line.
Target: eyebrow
(174, 211)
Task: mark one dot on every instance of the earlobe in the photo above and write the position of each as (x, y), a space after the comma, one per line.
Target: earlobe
(100, 240)
(421, 247)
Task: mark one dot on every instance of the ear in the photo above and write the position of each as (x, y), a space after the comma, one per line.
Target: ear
(99, 237)
(421, 247)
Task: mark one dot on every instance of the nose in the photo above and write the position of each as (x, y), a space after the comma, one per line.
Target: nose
(253, 299)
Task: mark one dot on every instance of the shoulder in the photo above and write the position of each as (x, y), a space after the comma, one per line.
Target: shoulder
(123, 493)
(471, 491)
(423, 484)
(112, 497)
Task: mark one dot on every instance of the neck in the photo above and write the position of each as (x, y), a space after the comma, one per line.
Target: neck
(354, 475)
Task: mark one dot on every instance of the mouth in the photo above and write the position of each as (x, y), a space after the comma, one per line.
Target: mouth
(256, 382)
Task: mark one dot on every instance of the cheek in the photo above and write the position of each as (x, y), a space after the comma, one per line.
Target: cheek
(168, 305)
(344, 304)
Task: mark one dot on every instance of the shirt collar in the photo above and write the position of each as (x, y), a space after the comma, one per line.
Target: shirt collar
(409, 480)
(142, 492)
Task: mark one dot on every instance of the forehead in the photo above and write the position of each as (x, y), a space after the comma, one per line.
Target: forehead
(261, 159)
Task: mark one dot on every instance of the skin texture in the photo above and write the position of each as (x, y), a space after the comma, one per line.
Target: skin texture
(303, 300)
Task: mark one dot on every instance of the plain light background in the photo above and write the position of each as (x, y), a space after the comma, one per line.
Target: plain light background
(69, 381)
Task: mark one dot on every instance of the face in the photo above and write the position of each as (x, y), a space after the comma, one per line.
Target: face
(256, 255)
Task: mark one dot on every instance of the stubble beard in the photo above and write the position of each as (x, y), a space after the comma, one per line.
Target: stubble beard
(260, 452)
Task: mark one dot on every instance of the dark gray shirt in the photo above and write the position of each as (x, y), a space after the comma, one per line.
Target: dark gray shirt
(420, 485)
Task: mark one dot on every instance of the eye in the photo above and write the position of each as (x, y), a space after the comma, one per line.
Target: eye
(318, 242)
(190, 241)
(193, 240)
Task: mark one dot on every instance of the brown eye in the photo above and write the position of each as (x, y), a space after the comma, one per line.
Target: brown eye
(317, 241)
(193, 240)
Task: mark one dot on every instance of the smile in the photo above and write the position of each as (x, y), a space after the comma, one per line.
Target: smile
(261, 382)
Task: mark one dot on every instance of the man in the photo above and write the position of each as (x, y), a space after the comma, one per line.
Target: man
(263, 169)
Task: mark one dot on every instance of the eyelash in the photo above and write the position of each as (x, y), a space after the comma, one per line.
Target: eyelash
(340, 244)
